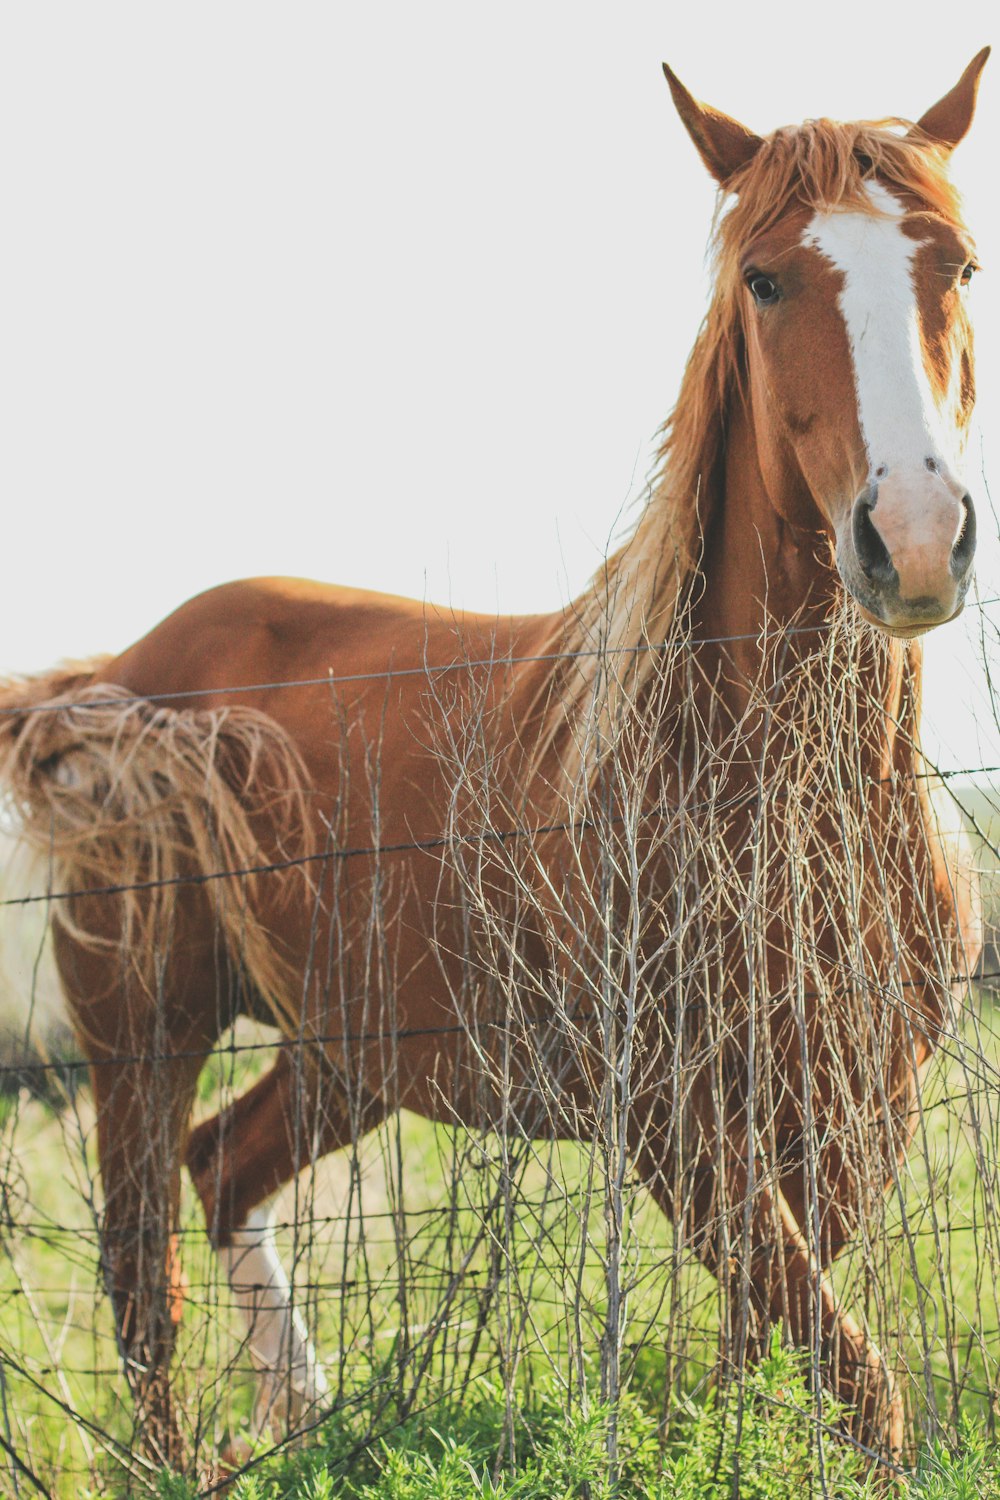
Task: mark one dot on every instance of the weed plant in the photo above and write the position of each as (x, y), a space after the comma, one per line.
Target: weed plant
(769, 1440)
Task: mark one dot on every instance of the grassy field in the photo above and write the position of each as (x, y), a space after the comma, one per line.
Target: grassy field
(426, 1372)
(458, 1296)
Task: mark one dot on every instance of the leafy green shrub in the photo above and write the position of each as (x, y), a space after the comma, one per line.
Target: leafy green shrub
(759, 1443)
(766, 1442)
(971, 1472)
(458, 1451)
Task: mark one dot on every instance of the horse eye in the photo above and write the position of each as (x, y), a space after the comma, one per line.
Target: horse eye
(763, 288)
(968, 272)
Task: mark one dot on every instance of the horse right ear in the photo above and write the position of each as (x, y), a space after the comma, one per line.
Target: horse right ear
(948, 121)
(724, 145)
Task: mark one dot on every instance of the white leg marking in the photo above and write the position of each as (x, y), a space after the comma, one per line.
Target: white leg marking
(292, 1378)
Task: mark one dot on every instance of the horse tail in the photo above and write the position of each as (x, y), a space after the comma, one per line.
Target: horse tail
(132, 803)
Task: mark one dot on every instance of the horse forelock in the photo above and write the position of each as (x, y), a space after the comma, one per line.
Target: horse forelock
(826, 164)
(635, 600)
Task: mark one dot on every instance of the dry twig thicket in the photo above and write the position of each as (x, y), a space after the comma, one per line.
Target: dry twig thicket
(644, 907)
(714, 996)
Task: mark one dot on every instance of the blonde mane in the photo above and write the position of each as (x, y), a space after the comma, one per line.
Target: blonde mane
(636, 600)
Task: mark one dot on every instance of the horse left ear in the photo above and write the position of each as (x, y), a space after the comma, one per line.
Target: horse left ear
(724, 145)
(949, 119)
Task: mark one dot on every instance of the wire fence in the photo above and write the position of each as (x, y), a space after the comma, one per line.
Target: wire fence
(595, 1097)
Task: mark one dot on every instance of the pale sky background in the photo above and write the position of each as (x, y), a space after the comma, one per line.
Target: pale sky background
(388, 294)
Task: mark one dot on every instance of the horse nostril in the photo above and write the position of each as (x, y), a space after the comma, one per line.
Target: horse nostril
(965, 548)
(872, 553)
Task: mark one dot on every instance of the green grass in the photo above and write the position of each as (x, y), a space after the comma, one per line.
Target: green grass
(938, 1253)
(421, 1224)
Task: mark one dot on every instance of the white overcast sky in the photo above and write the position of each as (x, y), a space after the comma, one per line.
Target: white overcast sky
(388, 294)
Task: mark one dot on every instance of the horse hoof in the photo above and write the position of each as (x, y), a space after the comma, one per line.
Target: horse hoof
(228, 1466)
(868, 1385)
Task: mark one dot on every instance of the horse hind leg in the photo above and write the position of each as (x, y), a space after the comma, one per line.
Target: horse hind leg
(144, 1076)
(292, 1380)
(238, 1160)
(141, 1116)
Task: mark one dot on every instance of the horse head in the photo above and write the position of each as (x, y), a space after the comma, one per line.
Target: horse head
(843, 279)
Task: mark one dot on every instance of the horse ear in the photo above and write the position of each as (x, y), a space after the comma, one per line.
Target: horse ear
(949, 119)
(724, 145)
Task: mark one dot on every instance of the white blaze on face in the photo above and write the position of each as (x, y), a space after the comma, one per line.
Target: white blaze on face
(900, 420)
(292, 1379)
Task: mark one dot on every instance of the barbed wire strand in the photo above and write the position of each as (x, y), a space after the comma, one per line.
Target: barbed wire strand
(432, 670)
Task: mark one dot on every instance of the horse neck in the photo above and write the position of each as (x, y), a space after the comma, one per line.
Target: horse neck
(770, 592)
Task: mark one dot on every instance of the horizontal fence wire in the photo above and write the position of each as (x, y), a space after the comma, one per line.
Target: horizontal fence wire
(413, 846)
(388, 1033)
(426, 1253)
(432, 669)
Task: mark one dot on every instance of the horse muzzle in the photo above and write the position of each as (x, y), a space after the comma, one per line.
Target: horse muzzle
(907, 549)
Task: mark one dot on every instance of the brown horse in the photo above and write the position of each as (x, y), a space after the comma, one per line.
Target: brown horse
(684, 817)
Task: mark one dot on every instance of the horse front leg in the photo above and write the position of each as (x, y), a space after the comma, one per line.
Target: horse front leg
(238, 1161)
(750, 1235)
(775, 1274)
